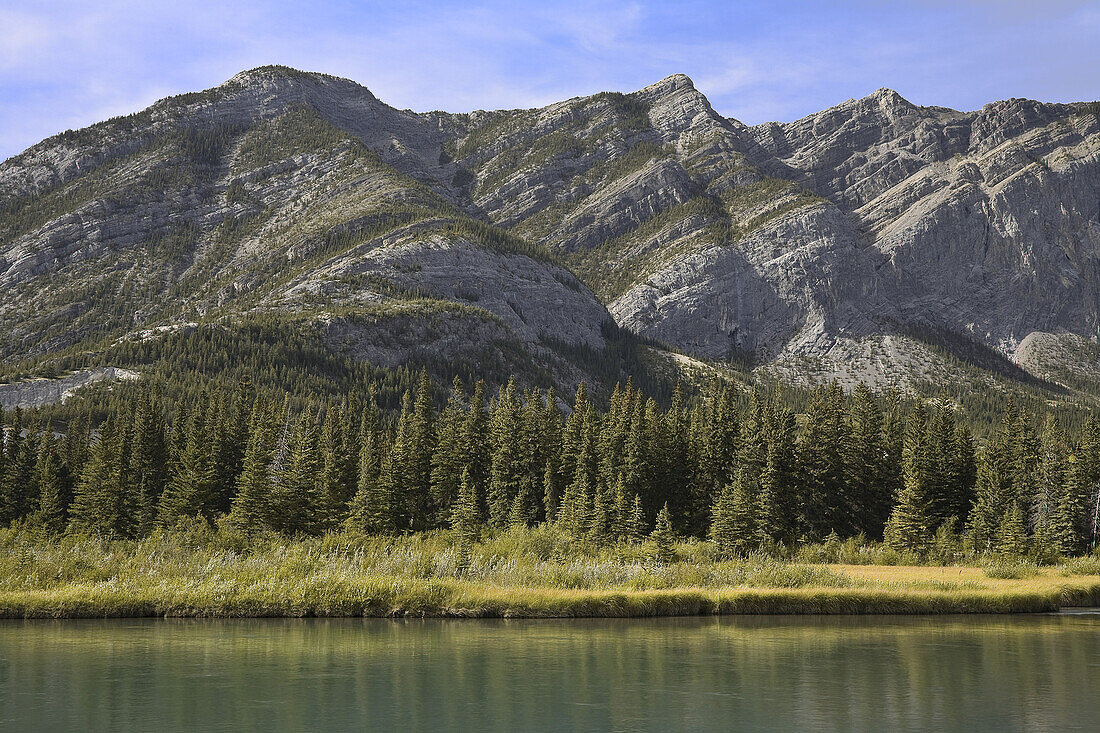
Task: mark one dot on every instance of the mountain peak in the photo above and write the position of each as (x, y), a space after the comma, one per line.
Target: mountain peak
(671, 83)
(888, 99)
(275, 73)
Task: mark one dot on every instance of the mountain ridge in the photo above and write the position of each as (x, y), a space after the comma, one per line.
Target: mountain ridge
(817, 239)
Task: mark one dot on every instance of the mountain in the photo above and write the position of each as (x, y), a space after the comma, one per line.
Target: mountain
(874, 241)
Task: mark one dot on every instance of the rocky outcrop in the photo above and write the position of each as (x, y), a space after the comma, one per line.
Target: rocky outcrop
(853, 240)
(37, 392)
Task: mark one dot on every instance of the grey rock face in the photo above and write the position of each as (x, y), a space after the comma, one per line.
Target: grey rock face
(853, 239)
(35, 392)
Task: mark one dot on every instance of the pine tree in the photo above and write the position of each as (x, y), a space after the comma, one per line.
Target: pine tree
(663, 537)
(371, 509)
(1051, 479)
(450, 455)
(251, 509)
(677, 458)
(636, 524)
(723, 523)
(104, 505)
(17, 497)
(299, 500)
(551, 436)
(821, 463)
(478, 449)
(149, 458)
(718, 429)
(866, 456)
(1011, 537)
(551, 492)
(466, 514)
(53, 504)
(996, 488)
(779, 507)
(620, 512)
(420, 439)
(190, 490)
(575, 511)
(907, 529)
(601, 520)
(506, 474)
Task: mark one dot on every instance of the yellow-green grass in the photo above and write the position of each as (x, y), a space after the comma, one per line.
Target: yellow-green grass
(525, 575)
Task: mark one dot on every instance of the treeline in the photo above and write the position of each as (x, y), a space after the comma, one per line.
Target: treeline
(747, 475)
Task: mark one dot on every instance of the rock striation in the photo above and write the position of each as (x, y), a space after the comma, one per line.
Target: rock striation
(874, 241)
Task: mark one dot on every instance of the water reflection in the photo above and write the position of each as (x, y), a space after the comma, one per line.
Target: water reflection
(1030, 673)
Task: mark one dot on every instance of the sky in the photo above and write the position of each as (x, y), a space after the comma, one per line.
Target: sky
(68, 64)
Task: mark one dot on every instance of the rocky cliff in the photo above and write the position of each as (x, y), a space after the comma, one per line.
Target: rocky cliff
(876, 241)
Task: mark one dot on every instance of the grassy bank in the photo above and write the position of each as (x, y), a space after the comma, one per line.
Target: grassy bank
(534, 573)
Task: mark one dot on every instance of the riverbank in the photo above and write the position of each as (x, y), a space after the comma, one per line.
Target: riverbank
(516, 575)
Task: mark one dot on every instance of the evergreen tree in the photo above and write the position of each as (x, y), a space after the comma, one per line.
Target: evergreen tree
(635, 525)
(466, 514)
(996, 489)
(450, 455)
(575, 510)
(418, 456)
(148, 458)
(821, 463)
(601, 520)
(191, 488)
(300, 500)
(17, 497)
(478, 449)
(908, 525)
(723, 524)
(251, 509)
(866, 458)
(506, 474)
(1012, 534)
(663, 537)
(54, 505)
(104, 505)
(677, 459)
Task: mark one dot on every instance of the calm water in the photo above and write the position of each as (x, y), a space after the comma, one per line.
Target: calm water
(1026, 673)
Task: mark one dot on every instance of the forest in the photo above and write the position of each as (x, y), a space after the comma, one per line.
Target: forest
(726, 464)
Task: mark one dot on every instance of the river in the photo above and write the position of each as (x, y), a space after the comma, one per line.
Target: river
(942, 673)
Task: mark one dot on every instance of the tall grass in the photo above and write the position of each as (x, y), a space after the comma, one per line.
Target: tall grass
(536, 572)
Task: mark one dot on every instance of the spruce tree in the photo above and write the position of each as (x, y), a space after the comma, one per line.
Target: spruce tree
(149, 458)
(478, 449)
(191, 488)
(575, 511)
(620, 512)
(636, 524)
(723, 523)
(251, 509)
(450, 455)
(866, 456)
(104, 505)
(17, 497)
(53, 504)
(465, 516)
(663, 537)
(907, 529)
(506, 474)
(601, 520)
(299, 501)
(1011, 537)
(418, 456)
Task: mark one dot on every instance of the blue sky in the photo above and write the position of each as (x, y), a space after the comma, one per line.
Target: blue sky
(68, 64)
